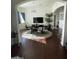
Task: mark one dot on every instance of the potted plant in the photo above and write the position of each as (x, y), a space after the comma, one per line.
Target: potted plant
(48, 19)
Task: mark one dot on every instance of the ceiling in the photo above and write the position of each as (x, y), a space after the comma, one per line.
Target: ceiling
(38, 3)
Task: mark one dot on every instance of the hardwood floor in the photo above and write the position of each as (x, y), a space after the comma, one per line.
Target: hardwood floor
(52, 50)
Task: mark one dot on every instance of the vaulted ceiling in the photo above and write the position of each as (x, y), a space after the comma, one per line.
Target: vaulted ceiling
(38, 3)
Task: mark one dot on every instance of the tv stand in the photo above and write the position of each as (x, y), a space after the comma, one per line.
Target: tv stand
(37, 28)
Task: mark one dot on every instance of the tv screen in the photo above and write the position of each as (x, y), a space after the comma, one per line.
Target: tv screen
(38, 20)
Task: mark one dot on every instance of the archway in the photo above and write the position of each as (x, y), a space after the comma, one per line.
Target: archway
(59, 6)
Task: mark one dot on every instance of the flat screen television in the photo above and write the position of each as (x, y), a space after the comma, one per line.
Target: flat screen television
(38, 20)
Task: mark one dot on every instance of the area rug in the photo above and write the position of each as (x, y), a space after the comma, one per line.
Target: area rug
(41, 39)
(35, 38)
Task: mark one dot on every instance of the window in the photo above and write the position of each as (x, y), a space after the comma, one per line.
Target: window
(61, 16)
(21, 17)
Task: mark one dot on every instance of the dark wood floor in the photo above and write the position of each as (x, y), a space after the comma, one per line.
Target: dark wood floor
(35, 50)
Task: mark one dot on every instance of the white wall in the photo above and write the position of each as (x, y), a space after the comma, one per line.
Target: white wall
(64, 33)
(13, 17)
(56, 5)
(64, 27)
(36, 11)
